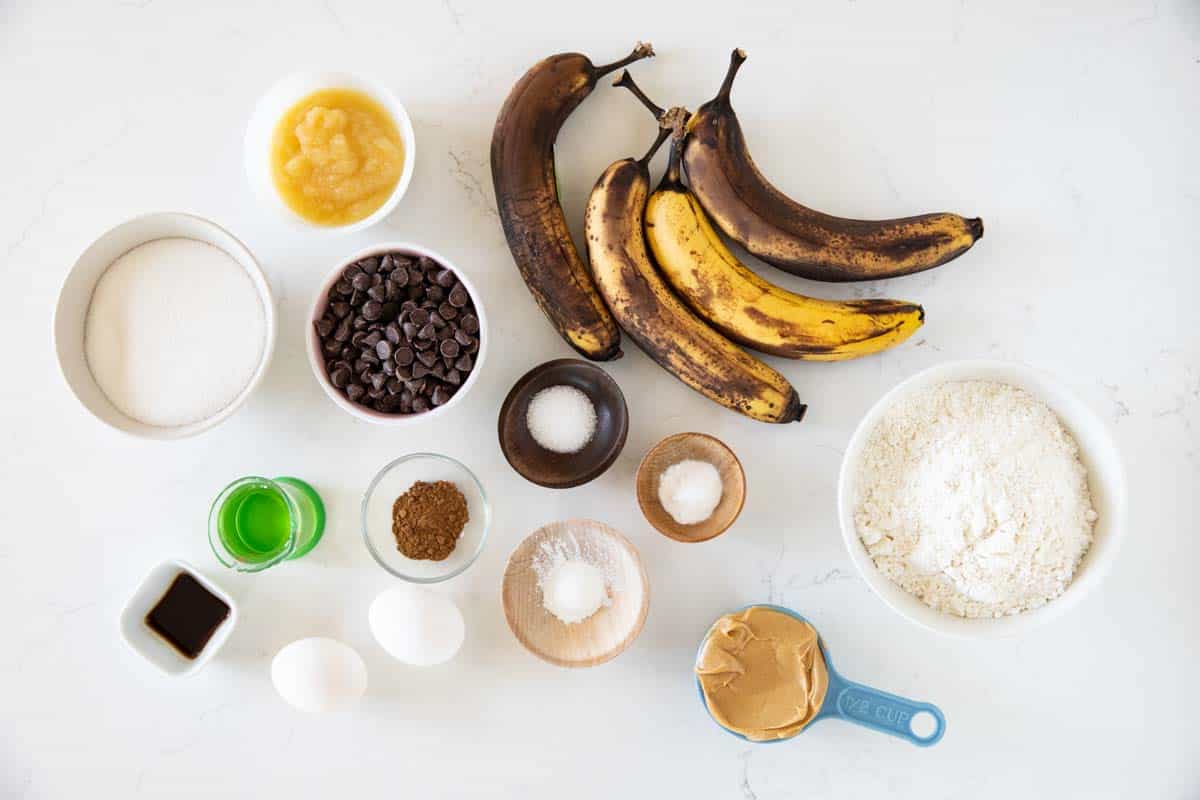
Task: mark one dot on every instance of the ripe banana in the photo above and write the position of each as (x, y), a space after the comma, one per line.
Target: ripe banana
(780, 231)
(527, 197)
(657, 320)
(747, 308)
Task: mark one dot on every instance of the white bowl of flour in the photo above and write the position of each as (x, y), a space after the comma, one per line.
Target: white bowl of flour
(164, 326)
(981, 498)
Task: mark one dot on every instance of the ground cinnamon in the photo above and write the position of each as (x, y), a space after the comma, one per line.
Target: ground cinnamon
(428, 519)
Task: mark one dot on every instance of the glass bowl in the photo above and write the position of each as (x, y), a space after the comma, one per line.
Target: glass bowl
(394, 480)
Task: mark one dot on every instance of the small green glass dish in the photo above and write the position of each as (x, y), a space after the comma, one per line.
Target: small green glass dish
(256, 523)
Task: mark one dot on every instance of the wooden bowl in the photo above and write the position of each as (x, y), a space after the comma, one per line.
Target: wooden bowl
(600, 637)
(564, 470)
(701, 447)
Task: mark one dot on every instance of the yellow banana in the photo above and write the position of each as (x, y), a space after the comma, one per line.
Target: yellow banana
(656, 319)
(750, 310)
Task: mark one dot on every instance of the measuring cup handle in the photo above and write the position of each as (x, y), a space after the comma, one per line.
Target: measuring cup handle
(884, 712)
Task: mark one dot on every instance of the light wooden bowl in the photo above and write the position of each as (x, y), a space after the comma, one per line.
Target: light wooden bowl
(701, 447)
(600, 637)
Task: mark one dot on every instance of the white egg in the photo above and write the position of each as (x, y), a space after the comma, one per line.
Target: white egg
(417, 626)
(319, 674)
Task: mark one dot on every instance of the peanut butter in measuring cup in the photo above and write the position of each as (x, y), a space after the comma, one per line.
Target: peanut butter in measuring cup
(764, 675)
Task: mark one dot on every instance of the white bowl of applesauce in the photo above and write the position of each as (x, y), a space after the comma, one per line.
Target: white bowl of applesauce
(330, 151)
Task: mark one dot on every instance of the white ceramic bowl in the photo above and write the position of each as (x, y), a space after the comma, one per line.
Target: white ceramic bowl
(1106, 479)
(148, 644)
(75, 297)
(285, 94)
(314, 345)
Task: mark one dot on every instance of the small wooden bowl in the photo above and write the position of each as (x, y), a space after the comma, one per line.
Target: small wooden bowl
(564, 470)
(701, 447)
(600, 637)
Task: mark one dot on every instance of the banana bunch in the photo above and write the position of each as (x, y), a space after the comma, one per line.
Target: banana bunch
(661, 271)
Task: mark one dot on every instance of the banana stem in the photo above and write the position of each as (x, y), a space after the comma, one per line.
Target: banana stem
(643, 50)
(671, 179)
(663, 135)
(736, 59)
(626, 81)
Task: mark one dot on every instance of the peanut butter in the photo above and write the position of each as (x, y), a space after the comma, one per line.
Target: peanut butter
(762, 673)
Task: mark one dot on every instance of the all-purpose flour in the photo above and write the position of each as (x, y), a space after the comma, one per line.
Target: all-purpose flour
(971, 497)
(174, 332)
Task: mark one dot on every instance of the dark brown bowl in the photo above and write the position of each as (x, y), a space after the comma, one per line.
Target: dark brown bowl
(564, 470)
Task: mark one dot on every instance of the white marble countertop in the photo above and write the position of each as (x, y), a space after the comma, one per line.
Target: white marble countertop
(1069, 127)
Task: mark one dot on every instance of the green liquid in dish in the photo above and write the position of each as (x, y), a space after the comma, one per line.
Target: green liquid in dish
(254, 523)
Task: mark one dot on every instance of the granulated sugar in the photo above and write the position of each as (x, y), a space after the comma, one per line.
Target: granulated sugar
(972, 497)
(561, 419)
(174, 332)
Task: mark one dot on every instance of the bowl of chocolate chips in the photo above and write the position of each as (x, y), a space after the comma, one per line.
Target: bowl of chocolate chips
(396, 334)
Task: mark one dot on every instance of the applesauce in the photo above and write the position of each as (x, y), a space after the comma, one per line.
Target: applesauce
(336, 156)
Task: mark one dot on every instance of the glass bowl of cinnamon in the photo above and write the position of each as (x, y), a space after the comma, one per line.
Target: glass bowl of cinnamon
(425, 517)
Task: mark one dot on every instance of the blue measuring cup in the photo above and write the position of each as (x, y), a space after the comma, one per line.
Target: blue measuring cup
(852, 701)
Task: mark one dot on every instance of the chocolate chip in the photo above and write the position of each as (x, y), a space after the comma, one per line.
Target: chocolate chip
(438, 371)
(428, 332)
(404, 373)
(410, 330)
(357, 339)
(340, 377)
(445, 278)
(404, 356)
(462, 337)
(423, 344)
(447, 311)
(419, 405)
(361, 282)
(384, 350)
(453, 376)
(449, 348)
(470, 323)
(377, 293)
(419, 371)
(355, 391)
(343, 288)
(394, 386)
(435, 294)
(464, 363)
(372, 339)
(342, 334)
(392, 332)
(370, 265)
(458, 296)
(419, 316)
(387, 263)
(399, 278)
(324, 326)
(340, 309)
(373, 310)
(427, 358)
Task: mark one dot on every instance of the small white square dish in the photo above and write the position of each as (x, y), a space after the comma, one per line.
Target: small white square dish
(153, 647)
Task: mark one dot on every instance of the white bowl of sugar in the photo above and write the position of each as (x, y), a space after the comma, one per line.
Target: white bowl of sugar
(1097, 452)
(164, 326)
